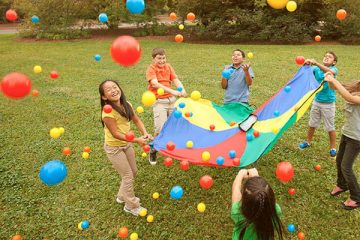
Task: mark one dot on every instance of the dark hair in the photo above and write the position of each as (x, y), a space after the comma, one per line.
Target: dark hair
(127, 112)
(157, 51)
(242, 52)
(332, 53)
(258, 208)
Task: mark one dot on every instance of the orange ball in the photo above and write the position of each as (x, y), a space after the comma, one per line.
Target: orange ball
(66, 151)
(173, 16)
(301, 235)
(179, 38)
(190, 16)
(123, 232)
(341, 14)
(87, 149)
(16, 237)
(317, 167)
(317, 38)
(35, 93)
(236, 161)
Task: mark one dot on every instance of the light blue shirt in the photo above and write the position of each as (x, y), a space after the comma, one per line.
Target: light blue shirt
(326, 95)
(237, 89)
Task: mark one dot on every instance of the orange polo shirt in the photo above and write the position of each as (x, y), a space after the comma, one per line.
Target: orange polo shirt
(165, 75)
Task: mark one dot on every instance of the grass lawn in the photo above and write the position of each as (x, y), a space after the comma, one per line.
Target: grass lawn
(36, 211)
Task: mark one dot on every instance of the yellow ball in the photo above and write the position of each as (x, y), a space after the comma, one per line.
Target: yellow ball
(134, 236)
(277, 4)
(160, 91)
(85, 155)
(62, 130)
(79, 226)
(250, 55)
(55, 133)
(275, 130)
(205, 156)
(201, 207)
(144, 155)
(189, 144)
(37, 69)
(195, 95)
(181, 26)
(148, 98)
(150, 218)
(156, 195)
(140, 109)
(143, 213)
(291, 6)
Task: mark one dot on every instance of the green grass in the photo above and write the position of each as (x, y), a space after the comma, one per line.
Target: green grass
(37, 211)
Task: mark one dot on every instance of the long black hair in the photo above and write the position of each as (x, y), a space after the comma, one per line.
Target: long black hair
(127, 112)
(258, 208)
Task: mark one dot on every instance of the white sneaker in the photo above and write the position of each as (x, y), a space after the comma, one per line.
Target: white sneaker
(118, 200)
(134, 211)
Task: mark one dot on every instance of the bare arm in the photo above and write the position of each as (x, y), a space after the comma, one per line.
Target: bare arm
(155, 84)
(340, 88)
(248, 78)
(236, 187)
(111, 125)
(224, 83)
(323, 67)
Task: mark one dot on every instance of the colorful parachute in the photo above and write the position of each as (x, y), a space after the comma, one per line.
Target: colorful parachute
(254, 133)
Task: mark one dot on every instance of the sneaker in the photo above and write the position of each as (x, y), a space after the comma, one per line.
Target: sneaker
(134, 211)
(118, 200)
(152, 157)
(304, 145)
(332, 152)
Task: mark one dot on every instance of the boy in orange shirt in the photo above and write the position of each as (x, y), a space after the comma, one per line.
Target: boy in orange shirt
(160, 75)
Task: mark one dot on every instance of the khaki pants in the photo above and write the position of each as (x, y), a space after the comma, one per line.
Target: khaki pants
(123, 160)
(162, 109)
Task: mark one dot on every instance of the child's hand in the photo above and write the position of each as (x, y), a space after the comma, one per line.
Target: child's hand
(309, 62)
(176, 93)
(141, 141)
(183, 93)
(329, 77)
(243, 173)
(148, 137)
(253, 172)
(245, 67)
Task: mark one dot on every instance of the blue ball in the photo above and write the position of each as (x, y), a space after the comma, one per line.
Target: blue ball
(191, 114)
(220, 160)
(276, 113)
(181, 105)
(176, 192)
(291, 228)
(85, 224)
(249, 137)
(179, 89)
(135, 6)
(232, 154)
(226, 73)
(53, 172)
(103, 17)
(177, 114)
(97, 57)
(287, 89)
(35, 19)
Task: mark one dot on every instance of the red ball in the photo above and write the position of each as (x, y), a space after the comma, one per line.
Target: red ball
(300, 60)
(291, 191)
(301, 235)
(170, 146)
(16, 85)
(54, 74)
(341, 14)
(168, 162)
(256, 133)
(125, 50)
(107, 108)
(66, 151)
(318, 167)
(236, 161)
(129, 136)
(146, 148)
(206, 182)
(123, 232)
(212, 127)
(184, 165)
(284, 171)
(11, 15)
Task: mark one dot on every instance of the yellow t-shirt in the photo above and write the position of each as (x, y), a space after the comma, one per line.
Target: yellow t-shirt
(123, 125)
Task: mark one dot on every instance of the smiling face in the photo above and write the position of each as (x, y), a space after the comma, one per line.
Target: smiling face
(160, 60)
(111, 91)
(329, 59)
(237, 58)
